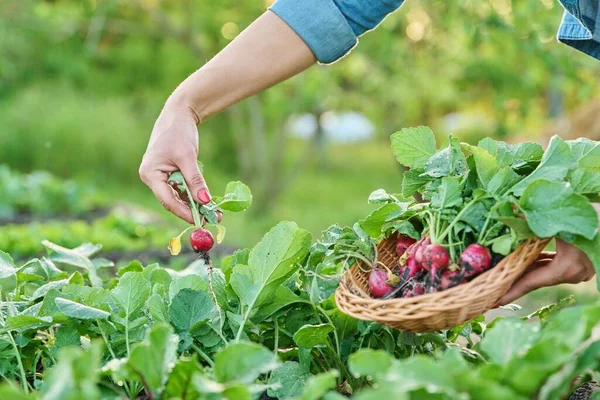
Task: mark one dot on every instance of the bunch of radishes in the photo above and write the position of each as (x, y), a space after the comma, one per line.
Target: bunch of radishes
(426, 267)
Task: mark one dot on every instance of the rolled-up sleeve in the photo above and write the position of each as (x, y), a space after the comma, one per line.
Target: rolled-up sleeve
(331, 28)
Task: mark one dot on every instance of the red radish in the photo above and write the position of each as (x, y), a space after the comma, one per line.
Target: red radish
(451, 278)
(201, 240)
(417, 290)
(412, 266)
(435, 260)
(378, 282)
(475, 259)
(403, 244)
(435, 257)
(420, 246)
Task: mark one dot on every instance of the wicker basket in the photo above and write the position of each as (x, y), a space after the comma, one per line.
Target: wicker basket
(434, 311)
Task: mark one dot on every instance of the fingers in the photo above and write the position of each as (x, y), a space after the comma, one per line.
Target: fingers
(547, 255)
(532, 280)
(169, 200)
(194, 179)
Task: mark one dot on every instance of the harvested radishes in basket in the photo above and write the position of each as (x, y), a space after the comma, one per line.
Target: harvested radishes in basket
(477, 205)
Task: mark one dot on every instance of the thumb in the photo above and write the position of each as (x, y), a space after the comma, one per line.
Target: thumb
(532, 280)
(195, 181)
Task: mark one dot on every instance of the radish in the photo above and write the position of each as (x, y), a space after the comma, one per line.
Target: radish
(435, 259)
(403, 244)
(417, 290)
(451, 278)
(378, 282)
(419, 247)
(410, 269)
(475, 259)
(201, 240)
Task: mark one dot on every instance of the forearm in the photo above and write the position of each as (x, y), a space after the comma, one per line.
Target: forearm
(264, 54)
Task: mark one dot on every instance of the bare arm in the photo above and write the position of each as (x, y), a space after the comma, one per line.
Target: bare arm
(264, 54)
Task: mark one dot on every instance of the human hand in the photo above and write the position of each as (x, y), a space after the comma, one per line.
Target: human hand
(567, 265)
(173, 147)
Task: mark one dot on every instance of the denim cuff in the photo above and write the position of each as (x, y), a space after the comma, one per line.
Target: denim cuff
(321, 25)
(573, 33)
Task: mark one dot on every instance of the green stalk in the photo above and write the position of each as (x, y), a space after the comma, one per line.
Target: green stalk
(203, 355)
(335, 335)
(112, 353)
(276, 333)
(194, 207)
(127, 333)
(19, 362)
(481, 236)
(460, 214)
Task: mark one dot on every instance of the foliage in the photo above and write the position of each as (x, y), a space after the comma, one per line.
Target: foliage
(40, 193)
(116, 232)
(166, 334)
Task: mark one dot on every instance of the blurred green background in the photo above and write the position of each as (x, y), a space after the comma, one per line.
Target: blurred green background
(82, 81)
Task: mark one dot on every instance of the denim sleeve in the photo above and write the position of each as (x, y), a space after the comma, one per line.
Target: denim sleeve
(331, 27)
(580, 27)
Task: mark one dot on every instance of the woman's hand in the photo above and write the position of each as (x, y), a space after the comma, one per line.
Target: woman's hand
(173, 147)
(567, 265)
(265, 53)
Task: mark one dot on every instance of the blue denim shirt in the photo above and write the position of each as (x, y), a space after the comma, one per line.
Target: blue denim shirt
(331, 27)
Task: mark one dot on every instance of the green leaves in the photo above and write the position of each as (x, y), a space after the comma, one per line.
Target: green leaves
(413, 146)
(586, 152)
(310, 336)
(153, 359)
(7, 266)
(274, 259)
(288, 381)
(448, 194)
(368, 362)
(449, 161)
(508, 155)
(131, 292)
(189, 307)
(243, 362)
(486, 165)
(79, 311)
(509, 338)
(552, 207)
(237, 197)
(555, 165)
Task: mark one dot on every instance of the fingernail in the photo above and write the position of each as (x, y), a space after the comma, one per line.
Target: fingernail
(496, 305)
(203, 196)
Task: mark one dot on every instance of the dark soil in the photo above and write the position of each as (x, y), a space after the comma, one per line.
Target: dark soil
(23, 218)
(585, 391)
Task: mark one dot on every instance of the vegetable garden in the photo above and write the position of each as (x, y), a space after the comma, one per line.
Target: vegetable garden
(263, 322)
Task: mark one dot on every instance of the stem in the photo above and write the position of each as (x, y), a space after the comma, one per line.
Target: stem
(20, 362)
(203, 355)
(112, 353)
(355, 255)
(335, 335)
(276, 344)
(127, 333)
(144, 383)
(481, 236)
(460, 214)
(194, 207)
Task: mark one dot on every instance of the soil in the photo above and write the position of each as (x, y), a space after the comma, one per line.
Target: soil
(585, 391)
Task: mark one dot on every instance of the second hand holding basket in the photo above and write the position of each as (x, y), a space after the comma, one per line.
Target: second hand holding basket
(433, 311)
